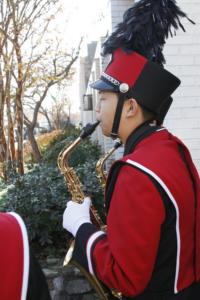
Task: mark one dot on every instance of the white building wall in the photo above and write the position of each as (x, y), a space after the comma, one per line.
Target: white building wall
(118, 7)
(81, 83)
(182, 55)
(116, 11)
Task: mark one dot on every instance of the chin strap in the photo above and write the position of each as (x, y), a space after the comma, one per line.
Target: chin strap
(117, 117)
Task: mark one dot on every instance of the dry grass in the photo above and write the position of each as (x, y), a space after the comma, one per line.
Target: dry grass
(43, 141)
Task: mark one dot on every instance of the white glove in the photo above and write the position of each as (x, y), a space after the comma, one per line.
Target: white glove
(75, 215)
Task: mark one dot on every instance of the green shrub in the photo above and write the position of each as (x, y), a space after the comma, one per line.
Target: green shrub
(83, 159)
(85, 151)
(40, 195)
(2, 185)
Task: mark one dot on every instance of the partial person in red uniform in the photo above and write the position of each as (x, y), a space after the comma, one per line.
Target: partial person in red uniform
(151, 249)
(21, 277)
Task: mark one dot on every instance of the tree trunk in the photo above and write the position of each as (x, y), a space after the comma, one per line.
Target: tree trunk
(3, 152)
(3, 173)
(19, 107)
(19, 121)
(11, 131)
(3, 145)
(9, 117)
(45, 113)
(36, 152)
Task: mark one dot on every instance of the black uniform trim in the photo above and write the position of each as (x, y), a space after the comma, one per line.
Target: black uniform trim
(191, 293)
(37, 285)
(181, 151)
(82, 236)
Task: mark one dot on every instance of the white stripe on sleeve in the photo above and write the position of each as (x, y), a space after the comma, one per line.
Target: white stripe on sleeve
(90, 243)
(159, 180)
(26, 255)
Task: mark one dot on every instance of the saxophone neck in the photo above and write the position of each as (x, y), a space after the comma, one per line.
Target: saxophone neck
(117, 144)
(101, 162)
(63, 156)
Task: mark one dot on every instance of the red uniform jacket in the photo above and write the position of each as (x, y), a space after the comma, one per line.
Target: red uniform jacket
(21, 277)
(151, 249)
(14, 257)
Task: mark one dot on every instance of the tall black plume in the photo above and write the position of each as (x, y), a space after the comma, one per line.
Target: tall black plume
(145, 28)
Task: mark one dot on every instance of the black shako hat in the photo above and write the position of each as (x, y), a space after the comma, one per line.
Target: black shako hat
(136, 66)
(132, 74)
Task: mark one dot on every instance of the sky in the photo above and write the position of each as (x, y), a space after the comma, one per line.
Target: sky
(81, 18)
(87, 17)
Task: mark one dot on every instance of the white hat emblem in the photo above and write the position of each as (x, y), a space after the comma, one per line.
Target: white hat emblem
(124, 87)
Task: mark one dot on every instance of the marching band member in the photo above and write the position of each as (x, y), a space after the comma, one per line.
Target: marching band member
(151, 249)
(21, 277)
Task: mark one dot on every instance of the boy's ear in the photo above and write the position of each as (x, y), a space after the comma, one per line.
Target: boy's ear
(132, 107)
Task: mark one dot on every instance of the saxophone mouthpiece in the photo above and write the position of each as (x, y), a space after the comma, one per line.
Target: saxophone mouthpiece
(88, 129)
(117, 144)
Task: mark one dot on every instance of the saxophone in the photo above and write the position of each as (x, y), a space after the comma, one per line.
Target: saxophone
(76, 189)
(101, 173)
(102, 176)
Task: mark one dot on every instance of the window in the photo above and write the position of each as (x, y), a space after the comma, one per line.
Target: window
(87, 102)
